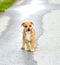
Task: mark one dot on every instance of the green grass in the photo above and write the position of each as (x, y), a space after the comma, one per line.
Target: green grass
(4, 4)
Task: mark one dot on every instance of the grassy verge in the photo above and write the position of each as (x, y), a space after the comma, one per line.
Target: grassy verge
(4, 4)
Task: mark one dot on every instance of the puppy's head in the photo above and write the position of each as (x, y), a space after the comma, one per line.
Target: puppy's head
(27, 26)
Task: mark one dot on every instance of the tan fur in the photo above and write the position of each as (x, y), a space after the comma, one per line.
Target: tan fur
(29, 43)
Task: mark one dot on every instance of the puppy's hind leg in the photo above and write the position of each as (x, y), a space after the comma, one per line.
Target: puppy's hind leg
(28, 46)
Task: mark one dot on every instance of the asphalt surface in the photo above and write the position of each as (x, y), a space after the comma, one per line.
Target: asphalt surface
(11, 40)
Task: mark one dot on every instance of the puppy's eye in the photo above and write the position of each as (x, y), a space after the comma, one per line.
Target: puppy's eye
(26, 26)
(29, 25)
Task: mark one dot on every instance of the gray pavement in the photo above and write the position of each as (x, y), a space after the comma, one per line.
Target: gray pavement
(11, 40)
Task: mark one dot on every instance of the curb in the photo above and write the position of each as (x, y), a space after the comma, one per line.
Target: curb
(18, 2)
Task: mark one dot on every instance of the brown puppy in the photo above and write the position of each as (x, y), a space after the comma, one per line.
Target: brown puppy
(28, 36)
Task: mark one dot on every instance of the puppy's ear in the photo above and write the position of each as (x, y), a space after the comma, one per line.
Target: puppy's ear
(22, 24)
(32, 23)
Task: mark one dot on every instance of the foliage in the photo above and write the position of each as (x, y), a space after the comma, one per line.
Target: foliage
(4, 4)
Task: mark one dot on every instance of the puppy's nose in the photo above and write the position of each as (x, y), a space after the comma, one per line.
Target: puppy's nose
(28, 29)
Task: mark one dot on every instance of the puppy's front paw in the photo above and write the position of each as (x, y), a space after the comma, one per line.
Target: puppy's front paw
(29, 50)
(32, 50)
(22, 48)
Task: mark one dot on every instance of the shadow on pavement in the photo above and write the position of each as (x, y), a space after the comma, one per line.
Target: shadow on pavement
(28, 58)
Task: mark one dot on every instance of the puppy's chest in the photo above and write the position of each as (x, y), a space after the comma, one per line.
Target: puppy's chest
(28, 36)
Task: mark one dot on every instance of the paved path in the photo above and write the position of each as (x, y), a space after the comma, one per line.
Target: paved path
(11, 40)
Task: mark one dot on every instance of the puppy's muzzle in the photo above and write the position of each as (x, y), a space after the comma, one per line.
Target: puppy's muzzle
(28, 29)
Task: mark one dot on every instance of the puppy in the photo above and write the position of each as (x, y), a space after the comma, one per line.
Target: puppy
(28, 36)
